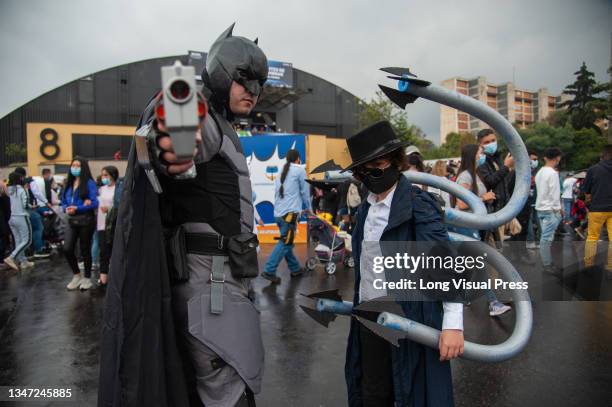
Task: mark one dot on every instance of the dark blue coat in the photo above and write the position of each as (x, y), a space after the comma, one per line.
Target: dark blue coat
(419, 378)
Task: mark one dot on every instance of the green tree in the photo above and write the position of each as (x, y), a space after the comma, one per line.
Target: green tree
(581, 148)
(557, 118)
(381, 108)
(588, 145)
(16, 152)
(451, 147)
(585, 107)
(607, 87)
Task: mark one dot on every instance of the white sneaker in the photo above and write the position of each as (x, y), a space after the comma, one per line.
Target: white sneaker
(497, 308)
(9, 261)
(74, 283)
(85, 284)
(26, 264)
(530, 245)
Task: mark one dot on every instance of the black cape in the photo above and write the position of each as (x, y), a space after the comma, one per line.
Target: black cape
(140, 362)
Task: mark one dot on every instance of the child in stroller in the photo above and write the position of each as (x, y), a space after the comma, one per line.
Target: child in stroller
(330, 247)
(52, 230)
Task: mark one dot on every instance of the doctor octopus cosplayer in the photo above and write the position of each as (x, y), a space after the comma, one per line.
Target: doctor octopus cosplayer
(398, 350)
(179, 326)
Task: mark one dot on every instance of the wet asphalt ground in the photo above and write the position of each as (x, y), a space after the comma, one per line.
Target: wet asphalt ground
(49, 337)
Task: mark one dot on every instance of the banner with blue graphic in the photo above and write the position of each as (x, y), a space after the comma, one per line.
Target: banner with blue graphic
(265, 157)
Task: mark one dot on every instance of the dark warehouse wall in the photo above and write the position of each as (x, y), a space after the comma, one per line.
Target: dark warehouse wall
(118, 95)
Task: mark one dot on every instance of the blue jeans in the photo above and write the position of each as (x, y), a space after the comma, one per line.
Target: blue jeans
(491, 297)
(282, 251)
(95, 249)
(530, 225)
(567, 207)
(37, 230)
(549, 221)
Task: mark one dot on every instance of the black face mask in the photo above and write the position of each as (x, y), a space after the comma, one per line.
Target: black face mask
(381, 180)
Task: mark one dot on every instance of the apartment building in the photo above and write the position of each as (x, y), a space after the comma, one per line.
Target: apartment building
(520, 106)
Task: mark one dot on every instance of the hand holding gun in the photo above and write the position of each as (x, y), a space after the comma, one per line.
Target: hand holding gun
(170, 142)
(179, 113)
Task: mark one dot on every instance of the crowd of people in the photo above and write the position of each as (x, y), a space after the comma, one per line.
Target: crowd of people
(79, 214)
(74, 215)
(78, 211)
(556, 205)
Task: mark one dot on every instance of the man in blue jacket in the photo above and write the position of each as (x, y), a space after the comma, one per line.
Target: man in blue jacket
(377, 373)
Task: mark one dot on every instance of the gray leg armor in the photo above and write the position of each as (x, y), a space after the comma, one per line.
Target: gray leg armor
(224, 345)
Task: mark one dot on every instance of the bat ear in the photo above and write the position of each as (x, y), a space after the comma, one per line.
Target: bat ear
(256, 41)
(227, 33)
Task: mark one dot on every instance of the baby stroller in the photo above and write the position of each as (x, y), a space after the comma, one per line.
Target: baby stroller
(329, 245)
(53, 230)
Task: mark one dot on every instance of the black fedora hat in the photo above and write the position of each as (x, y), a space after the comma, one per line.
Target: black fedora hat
(372, 142)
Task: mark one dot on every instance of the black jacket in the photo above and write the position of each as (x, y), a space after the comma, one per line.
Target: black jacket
(598, 184)
(419, 377)
(497, 178)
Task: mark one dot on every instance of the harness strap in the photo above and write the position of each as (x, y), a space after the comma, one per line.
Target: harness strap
(217, 278)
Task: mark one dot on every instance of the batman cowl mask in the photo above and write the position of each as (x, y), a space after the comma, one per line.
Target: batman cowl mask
(234, 59)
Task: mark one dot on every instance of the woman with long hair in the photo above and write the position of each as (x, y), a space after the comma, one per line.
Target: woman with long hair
(292, 195)
(106, 197)
(79, 202)
(472, 156)
(19, 223)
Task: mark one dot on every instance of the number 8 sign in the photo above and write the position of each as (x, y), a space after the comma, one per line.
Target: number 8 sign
(49, 142)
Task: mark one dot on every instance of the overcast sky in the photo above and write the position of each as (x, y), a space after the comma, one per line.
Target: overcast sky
(46, 43)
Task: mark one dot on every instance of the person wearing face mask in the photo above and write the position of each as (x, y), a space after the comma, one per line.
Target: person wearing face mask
(292, 195)
(497, 173)
(472, 157)
(548, 205)
(498, 176)
(467, 176)
(106, 197)
(79, 202)
(377, 373)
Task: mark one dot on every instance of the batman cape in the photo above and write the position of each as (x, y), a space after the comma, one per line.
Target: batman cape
(140, 362)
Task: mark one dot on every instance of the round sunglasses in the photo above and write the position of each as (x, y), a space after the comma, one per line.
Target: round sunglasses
(370, 172)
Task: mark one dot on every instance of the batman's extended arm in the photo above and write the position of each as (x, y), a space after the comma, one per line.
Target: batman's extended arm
(150, 154)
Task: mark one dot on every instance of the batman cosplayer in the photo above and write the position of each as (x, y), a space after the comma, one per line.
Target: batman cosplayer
(179, 327)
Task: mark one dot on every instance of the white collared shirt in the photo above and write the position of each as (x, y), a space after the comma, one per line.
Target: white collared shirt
(373, 228)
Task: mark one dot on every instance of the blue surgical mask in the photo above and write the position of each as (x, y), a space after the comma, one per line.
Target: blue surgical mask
(105, 181)
(481, 159)
(534, 164)
(75, 171)
(490, 148)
